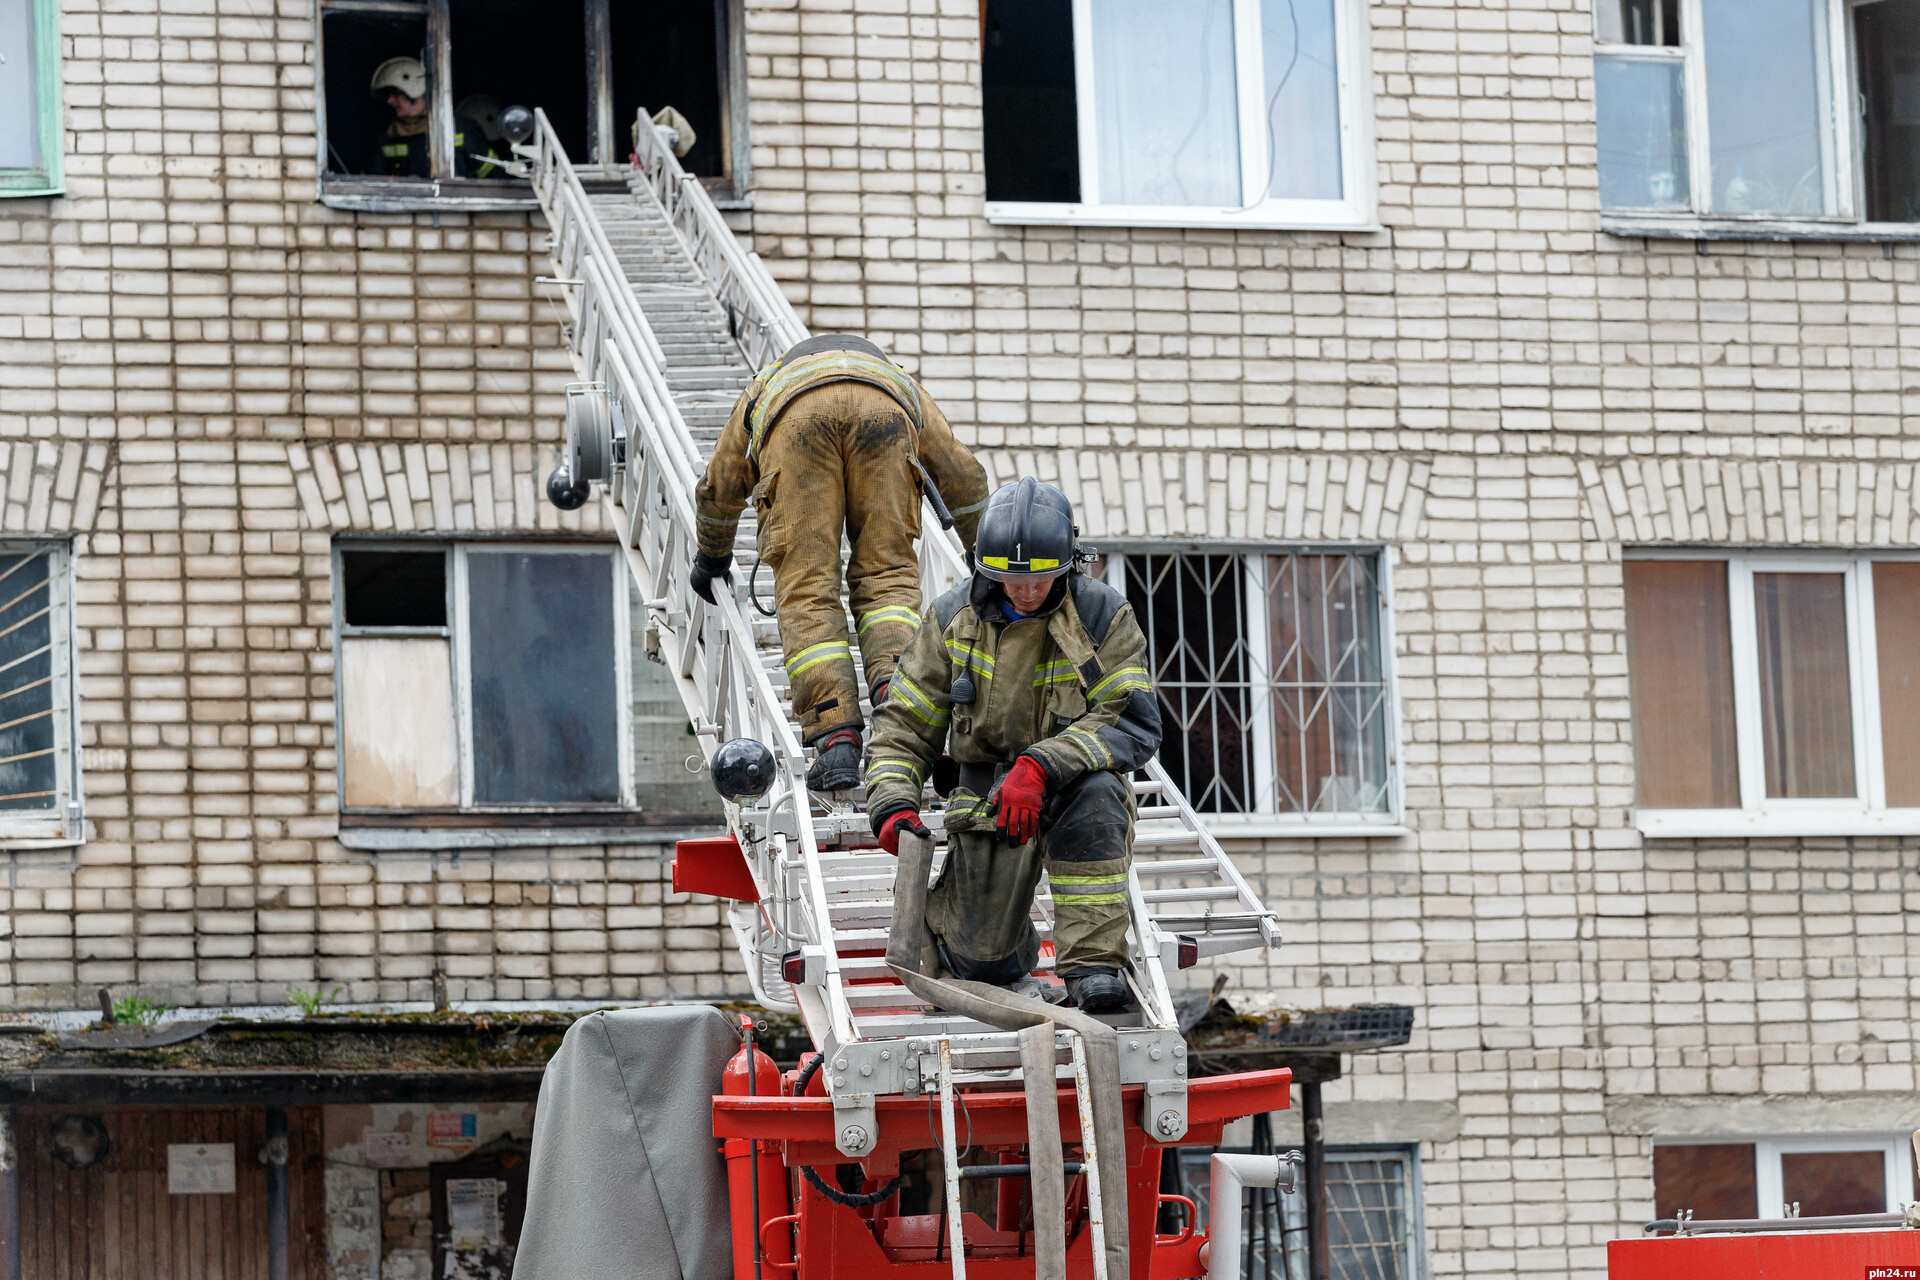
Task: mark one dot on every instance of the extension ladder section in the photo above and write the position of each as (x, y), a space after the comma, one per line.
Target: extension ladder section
(668, 317)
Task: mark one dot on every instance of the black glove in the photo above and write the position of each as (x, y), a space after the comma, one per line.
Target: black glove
(705, 569)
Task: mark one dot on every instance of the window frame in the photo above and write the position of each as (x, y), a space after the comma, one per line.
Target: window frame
(1268, 822)
(1355, 211)
(50, 179)
(65, 824)
(456, 633)
(1768, 1181)
(1846, 135)
(378, 193)
(1866, 813)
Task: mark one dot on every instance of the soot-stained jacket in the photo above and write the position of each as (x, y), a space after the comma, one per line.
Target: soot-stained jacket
(1068, 686)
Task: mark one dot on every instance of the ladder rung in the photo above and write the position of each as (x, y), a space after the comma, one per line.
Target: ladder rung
(1176, 867)
(1206, 893)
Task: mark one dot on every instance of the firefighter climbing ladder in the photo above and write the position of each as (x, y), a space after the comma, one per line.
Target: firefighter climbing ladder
(668, 316)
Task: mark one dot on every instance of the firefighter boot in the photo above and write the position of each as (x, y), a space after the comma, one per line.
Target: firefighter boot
(1097, 989)
(836, 760)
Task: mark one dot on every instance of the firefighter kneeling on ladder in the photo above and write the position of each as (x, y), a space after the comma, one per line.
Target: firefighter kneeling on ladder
(1033, 676)
(830, 433)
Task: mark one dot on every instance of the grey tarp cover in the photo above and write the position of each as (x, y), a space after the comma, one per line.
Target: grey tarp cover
(626, 1180)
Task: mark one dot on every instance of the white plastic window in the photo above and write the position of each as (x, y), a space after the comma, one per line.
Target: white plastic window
(1775, 693)
(1198, 113)
(39, 757)
(1778, 111)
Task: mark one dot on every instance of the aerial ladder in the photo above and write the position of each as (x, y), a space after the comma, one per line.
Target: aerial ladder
(667, 318)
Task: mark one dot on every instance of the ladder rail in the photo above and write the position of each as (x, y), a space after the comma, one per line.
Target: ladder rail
(709, 648)
(765, 322)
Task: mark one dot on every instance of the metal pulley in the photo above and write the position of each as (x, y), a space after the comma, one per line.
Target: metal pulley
(594, 432)
(590, 432)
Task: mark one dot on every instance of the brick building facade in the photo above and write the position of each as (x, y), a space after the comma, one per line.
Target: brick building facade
(208, 378)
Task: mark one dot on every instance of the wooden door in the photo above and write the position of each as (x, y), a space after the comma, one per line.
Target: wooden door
(115, 1220)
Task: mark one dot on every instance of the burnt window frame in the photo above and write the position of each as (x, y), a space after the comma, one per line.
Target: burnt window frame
(444, 190)
(1271, 819)
(456, 632)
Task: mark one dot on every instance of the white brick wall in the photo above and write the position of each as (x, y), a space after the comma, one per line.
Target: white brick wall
(1490, 388)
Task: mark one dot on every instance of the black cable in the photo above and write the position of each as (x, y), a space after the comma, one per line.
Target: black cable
(753, 580)
(852, 1200)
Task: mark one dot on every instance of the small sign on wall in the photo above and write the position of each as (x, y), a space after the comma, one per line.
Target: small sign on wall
(200, 1168)
(386, 1150)
(473, 1212)
(453, 1130)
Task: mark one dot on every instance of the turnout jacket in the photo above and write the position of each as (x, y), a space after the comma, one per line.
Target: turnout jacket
(1068, 686)
(734, 471)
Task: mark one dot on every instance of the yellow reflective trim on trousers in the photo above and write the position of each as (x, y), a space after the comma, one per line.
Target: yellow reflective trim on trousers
(891, 613)
(916, 701)
(1117, 877)
(814, 655)
(1087, 899)
(1127, 678)
(895, 769)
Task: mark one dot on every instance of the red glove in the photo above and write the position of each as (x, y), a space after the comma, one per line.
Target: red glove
(1021, 793)
(901, 820)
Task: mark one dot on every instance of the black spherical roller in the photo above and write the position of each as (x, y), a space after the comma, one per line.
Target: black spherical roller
(563, 492)
(742, 769)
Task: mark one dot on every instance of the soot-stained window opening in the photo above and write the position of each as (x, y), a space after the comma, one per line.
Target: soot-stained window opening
(411, 91)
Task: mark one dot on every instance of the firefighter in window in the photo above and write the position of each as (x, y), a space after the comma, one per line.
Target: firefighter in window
(403, 149)
(834, 435)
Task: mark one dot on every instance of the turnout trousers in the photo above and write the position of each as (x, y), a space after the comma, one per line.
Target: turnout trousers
(980, 907)
(840, 458)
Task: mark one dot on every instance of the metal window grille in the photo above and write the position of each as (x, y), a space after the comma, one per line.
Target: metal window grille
(39, 793)
(1372, 1217)
(1271, 675)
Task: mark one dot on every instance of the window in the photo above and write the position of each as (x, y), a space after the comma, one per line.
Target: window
(592, 65)
(1175, 112)
(1732, 109)
(39, 732)
(32, 145)
(1374, 1230)
(1272, 674)
(483, 676)
(1775, 693)
(1716, 1179)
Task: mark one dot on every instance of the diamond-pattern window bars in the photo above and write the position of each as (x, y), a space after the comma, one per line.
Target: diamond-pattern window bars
(1270, 675)
(1370, 1218)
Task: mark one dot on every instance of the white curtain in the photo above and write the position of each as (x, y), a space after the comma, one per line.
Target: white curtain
(1165, 103)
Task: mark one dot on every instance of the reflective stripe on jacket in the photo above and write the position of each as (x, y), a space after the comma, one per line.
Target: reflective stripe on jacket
(1069, 686)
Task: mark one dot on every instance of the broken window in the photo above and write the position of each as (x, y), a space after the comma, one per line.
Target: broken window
(481, 675)
(412, 90)
(1271, 675)
(39, 766)
(32, 148)
(1738, 108)
(1181, 112)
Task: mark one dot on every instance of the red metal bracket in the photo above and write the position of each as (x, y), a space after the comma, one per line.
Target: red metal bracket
(713, 865)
